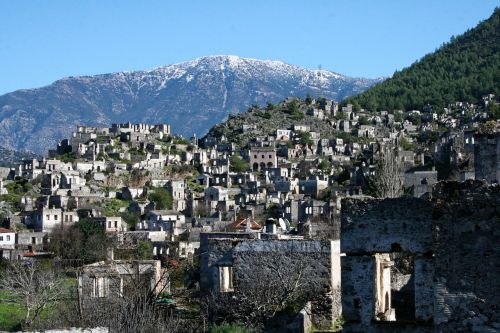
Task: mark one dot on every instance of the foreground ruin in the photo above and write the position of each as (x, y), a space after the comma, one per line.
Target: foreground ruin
(414, 265)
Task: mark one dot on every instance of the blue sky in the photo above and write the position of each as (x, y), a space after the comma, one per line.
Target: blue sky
(42, 41)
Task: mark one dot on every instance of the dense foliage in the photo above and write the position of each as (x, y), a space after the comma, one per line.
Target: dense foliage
(85, 240)
(161, 198)
(465, 69)
(238, 164)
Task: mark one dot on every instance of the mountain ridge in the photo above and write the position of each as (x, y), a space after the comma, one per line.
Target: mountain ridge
(192, 96)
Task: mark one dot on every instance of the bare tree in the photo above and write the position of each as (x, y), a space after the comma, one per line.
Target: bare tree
(282, 287)
(135, 309)
(388, 180)
(34, 287)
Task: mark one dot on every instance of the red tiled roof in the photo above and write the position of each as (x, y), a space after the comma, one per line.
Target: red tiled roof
(241, 224)
(4, 230)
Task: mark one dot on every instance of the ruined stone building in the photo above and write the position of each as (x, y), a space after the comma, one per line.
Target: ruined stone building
(262, 157)
(423, 266)
(107, 280)
(256, 271)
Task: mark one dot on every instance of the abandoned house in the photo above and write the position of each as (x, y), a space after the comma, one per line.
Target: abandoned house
(261, 269)
(422, 266)
(117, 278)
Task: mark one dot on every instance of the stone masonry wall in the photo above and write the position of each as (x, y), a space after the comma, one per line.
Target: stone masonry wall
(370, 226)
(487, 157)
(455, 240)
(212, 254)
(466, 220)
(373, 225)
(279, 260)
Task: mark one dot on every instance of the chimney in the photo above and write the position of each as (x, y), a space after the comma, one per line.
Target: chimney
(110, 255)
(271, 226)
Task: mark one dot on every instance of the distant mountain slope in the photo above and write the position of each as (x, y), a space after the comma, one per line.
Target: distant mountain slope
(8, 158)
(464, 69)
(191, 96)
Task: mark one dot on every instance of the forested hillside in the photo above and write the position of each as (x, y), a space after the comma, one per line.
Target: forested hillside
(464, 69)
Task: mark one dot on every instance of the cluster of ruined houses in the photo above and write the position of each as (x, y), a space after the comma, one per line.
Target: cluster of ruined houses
(399, 265)
(383, 265)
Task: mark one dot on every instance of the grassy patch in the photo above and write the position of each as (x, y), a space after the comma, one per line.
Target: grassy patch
(11, 315)
(113, 207)
(230, 328)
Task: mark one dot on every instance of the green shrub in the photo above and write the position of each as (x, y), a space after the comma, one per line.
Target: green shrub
(161, 198)
(230, 328)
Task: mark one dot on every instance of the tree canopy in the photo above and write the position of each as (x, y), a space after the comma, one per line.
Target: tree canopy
(465, 69)
(161, 198)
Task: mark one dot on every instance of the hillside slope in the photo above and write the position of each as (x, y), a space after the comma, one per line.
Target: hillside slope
(464, 69)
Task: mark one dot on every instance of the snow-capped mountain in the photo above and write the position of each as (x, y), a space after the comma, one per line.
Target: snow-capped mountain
(191, 96)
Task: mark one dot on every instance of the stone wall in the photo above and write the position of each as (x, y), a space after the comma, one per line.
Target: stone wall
(276, 261)
(454, 239)
(358, 289)
(466, 220)
(213, 254)
(398, 228)
(306, 270)
(373, 225)
(487, 157)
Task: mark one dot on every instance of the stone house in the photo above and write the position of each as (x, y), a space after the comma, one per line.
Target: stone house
(117, 278)
(152, 162)
(7, 239)
(304, 210)
(177, 189)
(216, 193)
(132, 238)
(221, 179)
(347, 108)
(111, 224)
(312, 186)
(301, 128)
(366, 131)
(412, 265)
(316, 113)
(236, 265)
(130, 193)
(311, 210)
(203, 180)
(79, 139)
(46, 219)
(71, 179)
(487, 157)
(161, 128)
(29, 169)
(420, 182)
(343, 125)
(283, 134)
(57, 165)
(262, 157)
(285, 185)
(85, 167)
(173, 222)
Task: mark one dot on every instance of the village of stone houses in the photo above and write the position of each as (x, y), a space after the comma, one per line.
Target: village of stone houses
(296, 217)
